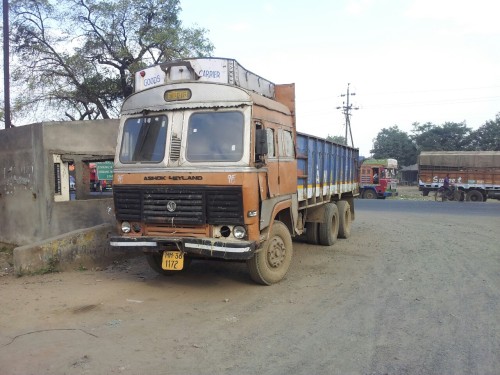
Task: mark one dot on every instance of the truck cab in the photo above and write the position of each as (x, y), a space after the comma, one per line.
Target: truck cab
(378, 178)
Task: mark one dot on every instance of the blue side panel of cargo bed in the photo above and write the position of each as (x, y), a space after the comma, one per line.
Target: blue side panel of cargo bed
(325, 167)
(302, 171)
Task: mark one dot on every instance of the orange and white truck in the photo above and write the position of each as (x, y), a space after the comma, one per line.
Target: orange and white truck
(475, 173)
(209, 165)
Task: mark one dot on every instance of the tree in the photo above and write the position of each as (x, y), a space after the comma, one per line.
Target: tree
(337, 139)
(487, 137)
(451, 136)
(81, 68)
(394, 143)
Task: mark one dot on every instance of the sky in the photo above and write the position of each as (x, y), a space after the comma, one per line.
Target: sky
(406, 61)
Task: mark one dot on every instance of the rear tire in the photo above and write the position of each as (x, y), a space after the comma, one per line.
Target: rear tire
(329, 228)
(345, 219)
(271, 263)
(312, 233)
(474, 196)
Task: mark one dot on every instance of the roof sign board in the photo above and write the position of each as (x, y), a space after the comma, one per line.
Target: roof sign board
(215, 70)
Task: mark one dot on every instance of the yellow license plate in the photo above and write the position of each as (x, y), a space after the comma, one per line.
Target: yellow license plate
(172, 260)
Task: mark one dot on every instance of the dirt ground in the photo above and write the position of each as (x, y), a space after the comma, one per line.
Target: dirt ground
(406, 294)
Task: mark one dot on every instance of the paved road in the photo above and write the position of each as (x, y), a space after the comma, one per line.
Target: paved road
(415, 290)
(490, 208)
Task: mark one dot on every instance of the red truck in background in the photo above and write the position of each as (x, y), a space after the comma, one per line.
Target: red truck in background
(377, 178)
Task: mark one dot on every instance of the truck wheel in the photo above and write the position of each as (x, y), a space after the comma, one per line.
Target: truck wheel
(155, 259)
(425, 192)
(271, 263)
(329, 228)
(312, 233)
(474, 196)
(369, 194)
(345, 219)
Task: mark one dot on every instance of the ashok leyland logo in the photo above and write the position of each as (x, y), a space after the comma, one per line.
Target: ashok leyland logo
(171, 206)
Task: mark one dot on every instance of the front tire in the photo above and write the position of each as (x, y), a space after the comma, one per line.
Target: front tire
(271, 263)
(329, 228)
(369, 194)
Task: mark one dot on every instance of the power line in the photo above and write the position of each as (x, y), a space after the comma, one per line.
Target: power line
(433, 90)
(437, 102)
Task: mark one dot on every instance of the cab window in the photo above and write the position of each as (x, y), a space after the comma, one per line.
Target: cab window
(144, 139)
(215, 136)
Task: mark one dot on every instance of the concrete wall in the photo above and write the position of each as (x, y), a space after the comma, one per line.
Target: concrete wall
(21, 181)
(74, 250)
(29, 211)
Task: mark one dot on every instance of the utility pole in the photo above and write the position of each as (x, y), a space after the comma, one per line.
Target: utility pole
(6, 69)
(346, 110)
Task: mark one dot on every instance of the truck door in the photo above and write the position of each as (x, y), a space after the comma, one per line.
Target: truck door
(287, 162)
(272, 162)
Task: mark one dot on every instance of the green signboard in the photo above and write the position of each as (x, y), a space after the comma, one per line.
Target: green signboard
(104, 170)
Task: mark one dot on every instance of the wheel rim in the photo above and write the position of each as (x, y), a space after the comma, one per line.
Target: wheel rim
(276, 253)
(369, 194)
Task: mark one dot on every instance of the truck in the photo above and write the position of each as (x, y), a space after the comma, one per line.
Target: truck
(475, 173)
(378, 178)
(209, 165)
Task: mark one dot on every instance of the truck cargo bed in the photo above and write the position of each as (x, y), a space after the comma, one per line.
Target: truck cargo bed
(325, 170)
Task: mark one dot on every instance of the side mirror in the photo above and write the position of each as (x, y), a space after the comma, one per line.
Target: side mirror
(260, 142)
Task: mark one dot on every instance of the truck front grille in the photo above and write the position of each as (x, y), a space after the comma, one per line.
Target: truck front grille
(179, 205)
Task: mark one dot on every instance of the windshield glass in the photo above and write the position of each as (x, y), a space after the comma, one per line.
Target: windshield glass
(215, 136)
(144, 139)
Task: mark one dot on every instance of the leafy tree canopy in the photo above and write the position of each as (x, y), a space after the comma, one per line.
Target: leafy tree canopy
(75, 58)
(487, 137)
(394, 143)
(450, 136)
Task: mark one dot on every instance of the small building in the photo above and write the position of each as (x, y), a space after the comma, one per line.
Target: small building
(409, 175)
(45, 179)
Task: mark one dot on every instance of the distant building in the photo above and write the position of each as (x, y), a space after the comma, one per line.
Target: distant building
(409, 175)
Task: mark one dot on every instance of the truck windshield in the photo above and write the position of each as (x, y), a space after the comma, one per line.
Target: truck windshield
(144, 139)
(215, 136)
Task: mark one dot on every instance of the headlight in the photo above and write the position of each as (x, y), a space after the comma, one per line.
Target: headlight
(126, 227)
(239, 232)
